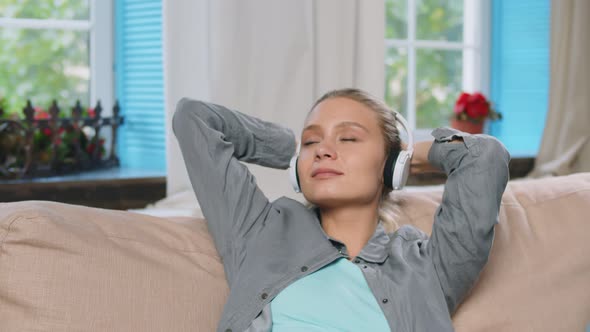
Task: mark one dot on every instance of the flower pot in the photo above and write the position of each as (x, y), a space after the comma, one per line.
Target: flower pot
(467, 126)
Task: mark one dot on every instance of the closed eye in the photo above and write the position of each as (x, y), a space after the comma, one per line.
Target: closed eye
(342, 139)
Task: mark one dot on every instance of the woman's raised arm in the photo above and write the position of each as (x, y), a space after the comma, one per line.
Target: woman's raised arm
(213, 140)
(463, 229)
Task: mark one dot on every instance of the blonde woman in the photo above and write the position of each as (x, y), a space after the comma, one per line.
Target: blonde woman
(340, 263)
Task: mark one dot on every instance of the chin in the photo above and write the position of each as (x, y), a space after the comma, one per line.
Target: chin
(330, 195)
(326, 190)
(325, 197)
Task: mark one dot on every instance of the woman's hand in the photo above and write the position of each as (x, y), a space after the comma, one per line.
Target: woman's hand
(419, 162)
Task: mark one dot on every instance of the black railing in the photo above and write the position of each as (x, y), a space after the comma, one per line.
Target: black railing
(47, 145)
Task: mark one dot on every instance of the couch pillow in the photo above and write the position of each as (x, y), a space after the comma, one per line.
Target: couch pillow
(538, 274)
(73, 268)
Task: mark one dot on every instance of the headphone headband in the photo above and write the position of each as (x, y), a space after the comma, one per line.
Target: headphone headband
(402, 120)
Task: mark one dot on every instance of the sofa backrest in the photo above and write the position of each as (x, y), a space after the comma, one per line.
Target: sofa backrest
(538, 274)
(73, 268)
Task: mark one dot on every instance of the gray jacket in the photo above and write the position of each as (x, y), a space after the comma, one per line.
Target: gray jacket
(265, 246)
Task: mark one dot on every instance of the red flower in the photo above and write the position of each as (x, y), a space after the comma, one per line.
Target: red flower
(478, 106)
(461, 102)
(474, 106)
(90, 148)
(91, 112)
(47, 131)
(40, 114)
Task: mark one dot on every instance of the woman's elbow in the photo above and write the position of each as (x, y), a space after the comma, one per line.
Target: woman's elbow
(494, 151)
(185, 113)
(496, 158)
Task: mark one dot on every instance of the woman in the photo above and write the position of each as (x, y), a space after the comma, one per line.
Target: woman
(340, 265)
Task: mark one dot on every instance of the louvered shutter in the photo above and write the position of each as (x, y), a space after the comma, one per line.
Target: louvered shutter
(140, 83)
(520, 72)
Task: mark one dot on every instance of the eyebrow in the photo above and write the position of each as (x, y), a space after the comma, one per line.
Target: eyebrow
(340, 125)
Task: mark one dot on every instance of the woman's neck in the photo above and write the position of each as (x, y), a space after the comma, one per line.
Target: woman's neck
(352, 225)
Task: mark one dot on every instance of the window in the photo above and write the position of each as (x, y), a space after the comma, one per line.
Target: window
(56, 50)
(66, 50)
(434, 50)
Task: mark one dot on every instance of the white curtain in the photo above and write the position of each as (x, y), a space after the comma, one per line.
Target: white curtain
(565, 147)
(268, 58)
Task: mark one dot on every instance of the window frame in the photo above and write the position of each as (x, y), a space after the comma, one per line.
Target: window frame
(100, 62)
(476, 54)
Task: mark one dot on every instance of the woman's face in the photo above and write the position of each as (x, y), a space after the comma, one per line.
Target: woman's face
(342, 155)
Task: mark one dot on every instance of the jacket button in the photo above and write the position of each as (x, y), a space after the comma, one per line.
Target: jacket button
(385, 300)
(303, 268)
(264, 296)
(357, 260)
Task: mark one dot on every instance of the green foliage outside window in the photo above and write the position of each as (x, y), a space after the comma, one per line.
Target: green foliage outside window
(44, 64)
(438, 72)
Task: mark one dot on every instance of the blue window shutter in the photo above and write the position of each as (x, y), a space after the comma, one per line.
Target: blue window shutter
(140, 83)
(520, 72)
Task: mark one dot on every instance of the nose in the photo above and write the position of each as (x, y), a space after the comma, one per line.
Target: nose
(324, 150)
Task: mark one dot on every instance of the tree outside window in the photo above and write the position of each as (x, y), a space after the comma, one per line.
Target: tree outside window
(434, 50)
(45, 52)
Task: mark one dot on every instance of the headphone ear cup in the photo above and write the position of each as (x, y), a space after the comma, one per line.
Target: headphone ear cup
(401, 171)
(293, 175)
(388, 170)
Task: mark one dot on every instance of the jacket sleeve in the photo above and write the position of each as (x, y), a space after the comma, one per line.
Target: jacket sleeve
(213, 140)
(463, 229)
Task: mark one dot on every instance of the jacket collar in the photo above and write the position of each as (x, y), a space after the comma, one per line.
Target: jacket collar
(374, 251)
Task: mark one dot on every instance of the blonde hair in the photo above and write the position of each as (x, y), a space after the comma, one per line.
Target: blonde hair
(388, 205)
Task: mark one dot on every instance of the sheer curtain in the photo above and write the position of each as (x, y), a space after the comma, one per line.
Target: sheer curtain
(565, 147)
(268, 58)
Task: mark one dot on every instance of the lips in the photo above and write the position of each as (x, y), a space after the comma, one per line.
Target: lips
(325, 172)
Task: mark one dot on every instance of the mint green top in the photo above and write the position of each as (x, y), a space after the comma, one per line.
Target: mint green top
(334, 298)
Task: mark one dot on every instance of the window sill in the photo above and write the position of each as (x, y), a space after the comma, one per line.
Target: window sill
(115, 188)
(123, 189)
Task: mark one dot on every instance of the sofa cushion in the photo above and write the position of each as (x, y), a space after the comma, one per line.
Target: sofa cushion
(538, 274)
(73, 268)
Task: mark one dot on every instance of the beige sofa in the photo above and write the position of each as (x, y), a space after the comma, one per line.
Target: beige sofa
(74, 268)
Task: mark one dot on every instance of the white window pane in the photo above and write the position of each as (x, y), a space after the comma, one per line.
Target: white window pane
(396, 78)
(46, 9)
(396, 19)
(438, 83)
(44, 65)
(439, 20)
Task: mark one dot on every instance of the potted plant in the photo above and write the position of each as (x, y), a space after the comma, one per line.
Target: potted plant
(471, 111)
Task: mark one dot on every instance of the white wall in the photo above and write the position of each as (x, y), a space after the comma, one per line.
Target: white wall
(268, 58)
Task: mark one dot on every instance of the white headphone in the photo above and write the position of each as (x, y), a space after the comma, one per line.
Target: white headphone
(397, 166)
